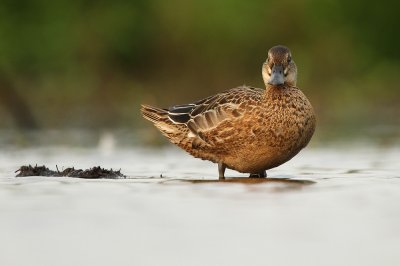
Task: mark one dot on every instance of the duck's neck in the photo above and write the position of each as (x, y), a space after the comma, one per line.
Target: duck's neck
(277, 89)
(277, 93)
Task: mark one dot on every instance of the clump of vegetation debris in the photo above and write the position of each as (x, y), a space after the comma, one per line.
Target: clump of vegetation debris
(92, 173)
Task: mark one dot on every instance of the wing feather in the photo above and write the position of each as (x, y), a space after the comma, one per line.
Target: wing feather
(210, 112)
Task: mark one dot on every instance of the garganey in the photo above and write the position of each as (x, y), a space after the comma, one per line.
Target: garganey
(245, 129)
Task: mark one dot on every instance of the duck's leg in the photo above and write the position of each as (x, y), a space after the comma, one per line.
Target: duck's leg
(262, 174)
(221, 170)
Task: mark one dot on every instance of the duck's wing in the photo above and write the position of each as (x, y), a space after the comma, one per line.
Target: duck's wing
(209, 113)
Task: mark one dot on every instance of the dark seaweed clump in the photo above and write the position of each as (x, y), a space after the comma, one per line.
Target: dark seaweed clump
(92, 173)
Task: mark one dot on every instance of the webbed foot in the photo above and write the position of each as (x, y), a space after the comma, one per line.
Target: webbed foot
(262, 174)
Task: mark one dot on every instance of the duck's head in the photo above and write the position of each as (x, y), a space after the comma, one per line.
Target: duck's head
(279, 68)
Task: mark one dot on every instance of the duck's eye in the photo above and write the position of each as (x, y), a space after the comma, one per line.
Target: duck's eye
(289, 59)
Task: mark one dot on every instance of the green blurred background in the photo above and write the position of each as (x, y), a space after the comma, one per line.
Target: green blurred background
(89, 64)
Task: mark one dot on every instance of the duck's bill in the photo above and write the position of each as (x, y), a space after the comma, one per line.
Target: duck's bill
(277, 77)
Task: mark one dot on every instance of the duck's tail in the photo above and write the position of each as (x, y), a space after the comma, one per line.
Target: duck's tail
(159, 117)
(154, 114)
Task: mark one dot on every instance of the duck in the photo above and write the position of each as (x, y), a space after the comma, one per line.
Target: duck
(246, 129)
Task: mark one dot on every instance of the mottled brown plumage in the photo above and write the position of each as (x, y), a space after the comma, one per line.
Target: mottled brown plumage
(246, 129)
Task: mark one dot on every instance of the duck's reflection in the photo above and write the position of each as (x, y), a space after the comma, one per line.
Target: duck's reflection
(253, 184)
(249, 180)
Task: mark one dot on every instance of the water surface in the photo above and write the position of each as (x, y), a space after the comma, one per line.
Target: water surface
(336, 205)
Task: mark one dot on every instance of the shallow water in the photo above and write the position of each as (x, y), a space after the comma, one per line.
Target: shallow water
(337, 205)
